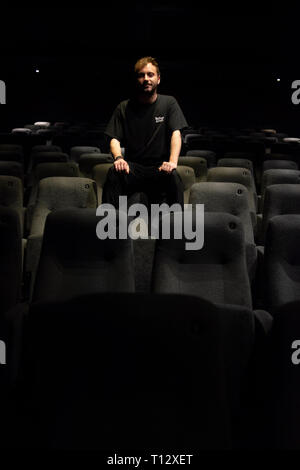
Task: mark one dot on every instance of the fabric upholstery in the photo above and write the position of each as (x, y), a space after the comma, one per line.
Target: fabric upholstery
(75, 261)
(217, 272)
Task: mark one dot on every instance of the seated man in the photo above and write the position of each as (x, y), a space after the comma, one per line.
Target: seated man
(149, 127)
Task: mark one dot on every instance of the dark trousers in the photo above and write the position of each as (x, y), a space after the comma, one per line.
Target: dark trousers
(158, 186)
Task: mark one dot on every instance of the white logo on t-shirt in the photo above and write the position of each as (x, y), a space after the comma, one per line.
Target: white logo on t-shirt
(159, 119)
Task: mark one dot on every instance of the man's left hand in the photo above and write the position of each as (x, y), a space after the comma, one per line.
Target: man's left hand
(168, 167)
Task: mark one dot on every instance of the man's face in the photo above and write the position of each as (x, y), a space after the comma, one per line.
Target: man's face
(148, 79)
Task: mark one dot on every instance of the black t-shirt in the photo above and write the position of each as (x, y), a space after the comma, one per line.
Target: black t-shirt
(145, 129)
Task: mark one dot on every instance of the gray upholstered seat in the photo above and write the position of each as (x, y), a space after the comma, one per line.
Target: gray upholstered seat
(217, 272)
(57, 192)
(77, 150)
(188, 178)
(11, 156)
(12, 168)
(99, 174)
(11, 148)
(41, 149)
(198, 164)
(97, 353)
(87, 161)
(284, 379)
(237, 175)
(282, 261)
(21, 130)
(281, 164)
(43, 157)
(11, 258)
(46, 170)
(11, 195)
(54, 193)
(74, 261)
(209, 155)
(231, 198)
(236, 162)
(277, 176)
(45, 148)
(279, 199)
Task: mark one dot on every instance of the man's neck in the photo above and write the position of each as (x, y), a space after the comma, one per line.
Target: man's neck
(144, 99)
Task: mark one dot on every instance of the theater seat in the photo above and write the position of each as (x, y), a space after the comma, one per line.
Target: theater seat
(198, 164)
(135, 371)
(11, 168)
(11, 148)
(43, 157)
(45, 148)
(279, 199)
(236, 162)
(282, 261)
(217, 272)
(279, 164)
(87, 161)
(46, 170)
(12, 195)
(54, 193)
(10, 317)
(283, 405)
(11, 258)
(11, 156)
(230, 198)
(75, 261)
(209, 155)
(77, 150)
(99, 174)
(237, 175)
(277, 176)
(188, 178)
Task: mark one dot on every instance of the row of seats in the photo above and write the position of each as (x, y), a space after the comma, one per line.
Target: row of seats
(72, 323)
(66, 135)
(88, 156)
(18, 151)
(146, 332)
(65, 258)
(226, 189)
(135, 371)
(150, 372)
(227, 170)
(200, 137)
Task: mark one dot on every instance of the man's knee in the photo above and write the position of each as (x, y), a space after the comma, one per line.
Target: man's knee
(114, 176)
(172, 178)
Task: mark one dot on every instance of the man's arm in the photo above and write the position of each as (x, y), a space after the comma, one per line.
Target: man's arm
(120, 164)
(175, 148)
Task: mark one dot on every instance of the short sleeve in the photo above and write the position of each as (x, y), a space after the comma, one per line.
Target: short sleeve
(176, 119)
(114, 128)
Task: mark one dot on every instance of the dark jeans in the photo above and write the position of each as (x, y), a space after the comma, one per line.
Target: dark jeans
(158, 186)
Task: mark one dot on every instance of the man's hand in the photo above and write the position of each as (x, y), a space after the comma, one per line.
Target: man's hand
(121, 165)
(168, 167)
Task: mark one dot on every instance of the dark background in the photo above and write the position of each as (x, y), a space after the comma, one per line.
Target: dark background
(221, 64)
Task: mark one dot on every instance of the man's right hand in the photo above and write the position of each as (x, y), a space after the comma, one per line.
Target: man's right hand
(121, 165)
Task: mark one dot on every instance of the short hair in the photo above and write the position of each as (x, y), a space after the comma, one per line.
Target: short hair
(144, 61)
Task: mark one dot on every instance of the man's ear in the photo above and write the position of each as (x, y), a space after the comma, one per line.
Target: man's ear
(158, 81)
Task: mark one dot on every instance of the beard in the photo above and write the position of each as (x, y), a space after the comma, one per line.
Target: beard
(147, 91)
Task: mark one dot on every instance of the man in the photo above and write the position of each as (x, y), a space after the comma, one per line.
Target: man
(149, 127)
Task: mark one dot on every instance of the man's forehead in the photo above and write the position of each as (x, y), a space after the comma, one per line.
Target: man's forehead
(148, 68)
